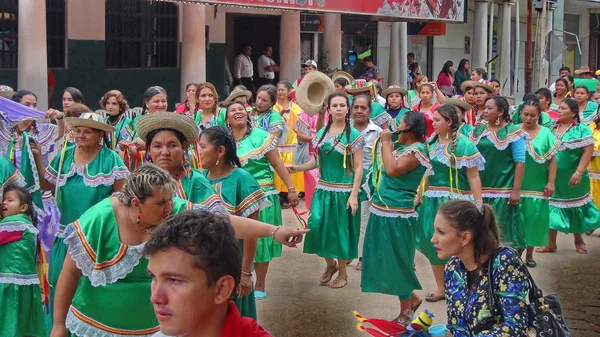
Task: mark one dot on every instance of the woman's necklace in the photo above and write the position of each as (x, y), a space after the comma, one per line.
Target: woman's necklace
(116, 121)
(559, 134)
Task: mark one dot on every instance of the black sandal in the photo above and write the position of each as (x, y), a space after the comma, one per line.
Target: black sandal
(530, 263)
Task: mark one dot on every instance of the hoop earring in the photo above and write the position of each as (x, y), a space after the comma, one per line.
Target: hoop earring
(497, 122)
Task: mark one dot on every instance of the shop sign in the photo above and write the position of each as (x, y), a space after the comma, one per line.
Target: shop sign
(311, 23)
(429, 10)
(427, 29)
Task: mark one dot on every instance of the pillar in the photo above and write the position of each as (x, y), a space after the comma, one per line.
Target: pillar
(394, 65)
(403, 53)
(289, 47)
(504, 59)
(556, 25)
(193, 46)
(480, 34)
(332, 40)
(32, 70)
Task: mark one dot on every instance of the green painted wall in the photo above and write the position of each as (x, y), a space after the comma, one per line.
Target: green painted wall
(86, 72)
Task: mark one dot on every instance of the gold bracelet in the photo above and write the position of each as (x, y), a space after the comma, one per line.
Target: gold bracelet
(275, 231)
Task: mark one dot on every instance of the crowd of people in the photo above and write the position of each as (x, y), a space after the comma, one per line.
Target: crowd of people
(102, 208)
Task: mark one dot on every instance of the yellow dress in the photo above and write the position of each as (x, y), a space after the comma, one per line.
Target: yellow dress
(594, 167)
(287, 147)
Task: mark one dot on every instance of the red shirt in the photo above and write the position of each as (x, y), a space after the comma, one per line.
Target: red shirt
(428, 117)
(553, 114)
(238, 326)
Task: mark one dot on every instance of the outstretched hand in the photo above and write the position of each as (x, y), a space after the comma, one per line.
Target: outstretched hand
(289, 236)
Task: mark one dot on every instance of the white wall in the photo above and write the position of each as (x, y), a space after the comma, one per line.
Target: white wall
(384, 30)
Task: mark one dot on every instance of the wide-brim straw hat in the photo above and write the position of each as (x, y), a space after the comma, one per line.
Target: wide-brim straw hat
(167, 120)
(313, 91)
(466, 85)
(458, 102)
(394, 89)
(235, 94)
(344, 75)
(484, 85)
(6, 91)
(358, 86)
(583, 70)
(90, 120)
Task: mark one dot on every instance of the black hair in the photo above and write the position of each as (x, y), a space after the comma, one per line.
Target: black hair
(150, 136)
(564, 68)
(446, 67)
(410, 54)
(366, 97)
(368, 59)
(481, 72)
(570, 78)
(573, 106)
(502, 104)
(221, 136)
(544, 92)
(341, 81)
(461, 66)
(75, 94)
(495, 80)
(248, 122)
(448, 112)
(346, 130)
(245, 45)
(189, 85)
(530, 96)
(209, 238)
(587, 91)
(271, 90)
(413, 66)
(18, 96)
(24, 199)
(151, 92)
(417, 125)
(536, 104)
(560, 79)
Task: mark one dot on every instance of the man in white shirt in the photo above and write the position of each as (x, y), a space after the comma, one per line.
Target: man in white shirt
(243, 69)
(266, 67)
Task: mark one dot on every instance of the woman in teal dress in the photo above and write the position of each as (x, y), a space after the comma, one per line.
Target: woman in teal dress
(389, 249)
(241, 195)
(263, 116)
(206, 114)
(9, 175)
(257, 151)
(540, 176)
(545, 119)
(587, 108)
(20, 300)
(502, 144)
(104, 288)
(335, 214)
(80, 176)
(572, 209)
(456, 162)
(115, 105)
(167, 137)
(462, 108)
(379, 115)
(395, 102)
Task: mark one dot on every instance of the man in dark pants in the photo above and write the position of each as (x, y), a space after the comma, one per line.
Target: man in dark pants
(243, 69)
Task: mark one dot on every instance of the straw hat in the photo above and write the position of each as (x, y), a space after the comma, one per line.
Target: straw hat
(6, 91)
(466, 85)
(344, 75)
(313, 91)
(359, 86)
(583, 70)
(90, 120)
(485, 85)
(394, 89)
(235, 94)
(168, 120)
(459, 103)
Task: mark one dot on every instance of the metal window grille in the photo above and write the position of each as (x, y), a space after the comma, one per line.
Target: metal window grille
(9, 33)
(141, 34)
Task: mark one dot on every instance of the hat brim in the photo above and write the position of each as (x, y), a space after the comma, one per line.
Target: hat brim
(458, 102)
(581, 72)
(7, 94)
(344, 75)
(75, 122)
(167, 120)
(388, 91)
(351, 90)
(466, 85)
(487, 87)
(313, 91)
(235, 95)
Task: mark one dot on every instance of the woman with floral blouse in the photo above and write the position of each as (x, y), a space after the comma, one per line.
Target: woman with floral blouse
(467, 234)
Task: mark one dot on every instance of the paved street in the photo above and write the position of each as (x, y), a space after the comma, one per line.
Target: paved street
(297, 306)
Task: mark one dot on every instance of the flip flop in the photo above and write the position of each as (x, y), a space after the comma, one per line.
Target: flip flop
(259, 295)
(433, 298)
(336, 283)
(285, 205)
(349, 262)
(415, 307)
(530, 263)
(328, 274)
(546, 250)
(581, 248)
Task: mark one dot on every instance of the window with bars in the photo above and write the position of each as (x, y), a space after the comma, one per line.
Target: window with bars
(9, 33)
(141, 34)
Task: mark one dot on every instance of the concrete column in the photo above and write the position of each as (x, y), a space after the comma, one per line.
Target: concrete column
(480, 34)
(332, 40)
(32, 71)
(403, 52)
(289, 46)
(504, 59)
(394, 65)
(193, 46)
(315, 48)
(556, 25)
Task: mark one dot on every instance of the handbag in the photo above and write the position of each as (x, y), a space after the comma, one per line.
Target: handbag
(545, 312)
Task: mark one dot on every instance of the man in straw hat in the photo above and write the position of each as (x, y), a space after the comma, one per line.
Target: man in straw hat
(584, 72)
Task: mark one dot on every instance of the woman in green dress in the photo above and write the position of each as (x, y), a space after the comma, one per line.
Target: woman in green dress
(545, 119)
(104, 288)
(538, 182)
(20, 300)
(389, 249)
(572, 209)
(379, 115)
(462, 108)
(456, 162)
(587, 108)
(80, 176)
(502, 144)
(395, 102)
(241, 195)
(115, 105)
(263, 116)
(206, 114)
(9, 175)
(257, 151)
(335, 213)
(167, 137)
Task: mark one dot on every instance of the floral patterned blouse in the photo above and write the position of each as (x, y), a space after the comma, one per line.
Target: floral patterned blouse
(466, 306)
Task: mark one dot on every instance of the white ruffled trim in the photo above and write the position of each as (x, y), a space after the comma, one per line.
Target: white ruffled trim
(563, 203)
(259, 156)
(358, 144)
(271, 192)
(495, 195)
(303, 127)
(333, 189)
(382, 119)
(533, 196)
(275, 128)
(19, 227)
(366, 186)
(20, 281)
(394, 215)
(596, 154)
(478, 161)
(448, 194)
(256, 206)
(576, 143)
(82, 329)
(117, 173)
(595, 176)
(419, 155)
(36, 177)
(487, 134)
(86, 265)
